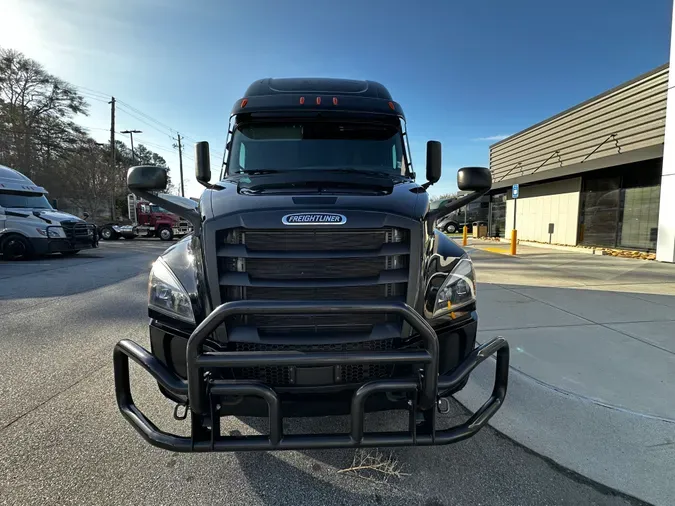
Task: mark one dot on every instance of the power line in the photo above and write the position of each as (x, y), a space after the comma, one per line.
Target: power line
(147, 116)
(99, 95)
(84, 89)
(147, 120)
(90, 96)
(158, 146)
(97, 99)
(163, 132)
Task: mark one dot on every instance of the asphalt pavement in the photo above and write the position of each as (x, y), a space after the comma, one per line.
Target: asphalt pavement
(63, 441)
(592, 361)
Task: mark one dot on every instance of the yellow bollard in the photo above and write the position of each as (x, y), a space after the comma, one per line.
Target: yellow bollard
(464, 241)
(514, 240)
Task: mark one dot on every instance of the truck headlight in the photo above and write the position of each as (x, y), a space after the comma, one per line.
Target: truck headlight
(52, 232)
(458, 290)
(167, 295)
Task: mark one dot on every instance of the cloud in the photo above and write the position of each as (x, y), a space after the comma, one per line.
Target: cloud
(492, 138)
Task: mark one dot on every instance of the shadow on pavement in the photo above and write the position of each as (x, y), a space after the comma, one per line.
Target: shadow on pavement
(276, 482)
(487, 467)
(58, 277)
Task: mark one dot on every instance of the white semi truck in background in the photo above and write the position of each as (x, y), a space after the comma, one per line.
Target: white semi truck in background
(30, 226)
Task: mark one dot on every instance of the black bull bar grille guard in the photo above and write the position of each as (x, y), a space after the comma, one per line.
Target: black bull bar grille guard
(203, 392)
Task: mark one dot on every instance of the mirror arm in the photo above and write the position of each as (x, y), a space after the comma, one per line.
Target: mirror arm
(189, 214)
(208, 185)
(434, 215)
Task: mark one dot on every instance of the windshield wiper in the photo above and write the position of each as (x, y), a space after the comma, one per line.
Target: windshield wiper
(368, 172)
(258, 171)
(320, 168)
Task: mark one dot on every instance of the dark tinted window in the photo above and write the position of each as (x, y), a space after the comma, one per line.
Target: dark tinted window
(316, 146)
(620, 206)
(10, 198)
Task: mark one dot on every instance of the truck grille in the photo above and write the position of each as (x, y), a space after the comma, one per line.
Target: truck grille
(284, 376)
(289, 264)
(75, 230)
(312, 240)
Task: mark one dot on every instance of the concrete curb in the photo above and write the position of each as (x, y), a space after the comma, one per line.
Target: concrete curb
(558, 247)
(625, 451)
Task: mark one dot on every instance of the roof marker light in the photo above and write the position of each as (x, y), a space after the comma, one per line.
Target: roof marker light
(391, 106)
(302, 100)
(334, 100)
(318, 100)
(244, 102)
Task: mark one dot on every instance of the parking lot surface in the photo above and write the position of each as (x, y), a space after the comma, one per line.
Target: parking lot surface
(593, 356)
(63, 441)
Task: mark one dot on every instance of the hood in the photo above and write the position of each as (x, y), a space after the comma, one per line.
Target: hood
(405, 199)
(52, 215)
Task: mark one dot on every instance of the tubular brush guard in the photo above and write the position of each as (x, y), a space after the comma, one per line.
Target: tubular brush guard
(203, 393)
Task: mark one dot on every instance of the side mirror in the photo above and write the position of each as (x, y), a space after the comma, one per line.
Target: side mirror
(477, 179)
(433, 162)
(147, 177)
(55, 203)
(202, 163)
(144, 181)
(85, 214)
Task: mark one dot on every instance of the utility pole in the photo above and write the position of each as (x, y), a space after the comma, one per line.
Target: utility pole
(112, 158)
(180, 163)
(131, 135)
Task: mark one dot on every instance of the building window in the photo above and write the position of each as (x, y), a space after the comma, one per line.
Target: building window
(497, 215)
(620, 206)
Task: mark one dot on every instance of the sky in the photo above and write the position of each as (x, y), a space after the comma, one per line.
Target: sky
(466, 72)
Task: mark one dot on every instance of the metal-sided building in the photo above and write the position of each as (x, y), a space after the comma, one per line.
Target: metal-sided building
(590, 175)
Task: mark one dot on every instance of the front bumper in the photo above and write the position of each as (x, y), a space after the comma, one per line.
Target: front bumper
(49, 245)
(182, 230)
(205, 393)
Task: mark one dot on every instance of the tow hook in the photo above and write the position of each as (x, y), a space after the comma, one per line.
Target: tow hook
(443, 405)
(176, 411)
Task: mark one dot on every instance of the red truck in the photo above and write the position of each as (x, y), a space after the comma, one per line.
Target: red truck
(148, 220)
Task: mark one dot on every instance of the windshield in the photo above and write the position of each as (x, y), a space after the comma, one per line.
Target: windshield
(317, 146)
(31, 200)
(157, 209)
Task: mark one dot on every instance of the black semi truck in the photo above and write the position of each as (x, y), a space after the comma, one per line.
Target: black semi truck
(314, 282)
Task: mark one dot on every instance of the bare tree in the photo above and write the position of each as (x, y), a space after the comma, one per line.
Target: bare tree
(85, 176)
(36, 111)
(39, 137)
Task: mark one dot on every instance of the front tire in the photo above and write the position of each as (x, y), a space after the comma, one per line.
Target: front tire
(451, 228)
(165, 234)
(15, 247)
(108, 234)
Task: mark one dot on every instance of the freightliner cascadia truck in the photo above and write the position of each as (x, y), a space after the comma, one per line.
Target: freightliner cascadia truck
(314, 282)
